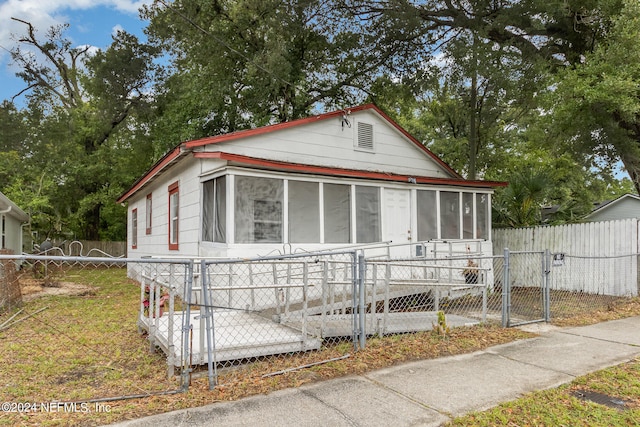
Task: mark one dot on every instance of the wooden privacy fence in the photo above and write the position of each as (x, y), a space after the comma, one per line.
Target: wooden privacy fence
(594, 257)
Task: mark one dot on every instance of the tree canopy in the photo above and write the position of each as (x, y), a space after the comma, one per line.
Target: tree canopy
(542, 94)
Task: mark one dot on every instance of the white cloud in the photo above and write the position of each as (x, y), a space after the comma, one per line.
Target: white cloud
(44, 14)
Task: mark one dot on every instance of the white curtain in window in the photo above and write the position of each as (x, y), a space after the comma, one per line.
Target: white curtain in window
(427, 215)
(258, 210)
(214, 210)
(304, 212)
(367, 214)
(337, 213)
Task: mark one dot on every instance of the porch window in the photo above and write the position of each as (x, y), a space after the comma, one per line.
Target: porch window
(337, 213)
(134, 229)
(214, 210)
(148, 214)
(450, 215)
(427, 215)
(367, 214)
(174, 216)
(258, 210)
(304, 212)
(482, 216)
(3, 232)
(467, 215)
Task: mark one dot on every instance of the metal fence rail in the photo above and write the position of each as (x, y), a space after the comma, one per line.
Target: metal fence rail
(274, 311)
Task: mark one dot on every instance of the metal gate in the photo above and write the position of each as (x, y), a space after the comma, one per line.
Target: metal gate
(525, 297)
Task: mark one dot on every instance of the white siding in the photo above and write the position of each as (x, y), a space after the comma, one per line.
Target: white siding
(13, 233)
(621, 209)
(329, 144)
(157, 243)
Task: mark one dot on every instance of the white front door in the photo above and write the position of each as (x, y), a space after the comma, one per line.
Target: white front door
(397, 221)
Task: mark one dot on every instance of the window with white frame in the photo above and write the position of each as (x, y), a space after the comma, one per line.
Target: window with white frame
(482, 216)
(467, 215)
(367, 214)
(214, 210)
(449, 215)
(134, 229)
(304, 212)
(174, 216)
(427, 215)
(258, 210)
(337, 213)
(148, 214)
(3, 231)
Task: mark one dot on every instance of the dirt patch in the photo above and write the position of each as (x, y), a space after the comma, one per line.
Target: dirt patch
(35, 288)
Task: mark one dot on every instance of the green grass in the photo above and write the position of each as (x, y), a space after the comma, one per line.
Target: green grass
(87, 347)
(559, 407)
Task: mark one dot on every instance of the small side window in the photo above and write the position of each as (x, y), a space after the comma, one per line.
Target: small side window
(134, 229)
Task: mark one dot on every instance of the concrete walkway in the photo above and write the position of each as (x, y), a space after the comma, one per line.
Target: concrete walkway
(428, 392)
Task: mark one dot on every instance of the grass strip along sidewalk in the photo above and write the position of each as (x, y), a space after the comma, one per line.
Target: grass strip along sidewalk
(86, 348)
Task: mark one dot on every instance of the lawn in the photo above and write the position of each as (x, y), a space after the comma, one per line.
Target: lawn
(617, 391)
(82, 361)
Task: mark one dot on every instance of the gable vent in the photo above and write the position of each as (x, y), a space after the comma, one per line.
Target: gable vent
(365, 136)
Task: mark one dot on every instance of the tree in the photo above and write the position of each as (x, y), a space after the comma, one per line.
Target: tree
(247, 63)
(596, 103)
(80, 103)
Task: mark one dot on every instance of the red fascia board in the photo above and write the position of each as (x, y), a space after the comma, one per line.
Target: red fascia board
(321, 170)
(272, 128)
(313, 119)
(168, 158)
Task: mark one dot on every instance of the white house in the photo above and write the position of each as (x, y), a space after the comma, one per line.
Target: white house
(349, 177)
(11, 220)
(625, 206)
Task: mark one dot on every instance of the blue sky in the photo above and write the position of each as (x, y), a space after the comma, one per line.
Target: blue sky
(92, 22)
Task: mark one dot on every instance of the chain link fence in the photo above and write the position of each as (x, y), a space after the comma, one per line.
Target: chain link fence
(75, 338)
(114, 328)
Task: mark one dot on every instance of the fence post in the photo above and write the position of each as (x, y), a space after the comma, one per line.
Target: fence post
(354, 293)
(186, 329)
(506, 291)
(547, 285)
(208, 315)
(361, 309)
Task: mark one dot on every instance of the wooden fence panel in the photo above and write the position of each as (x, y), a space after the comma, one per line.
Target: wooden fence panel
(600, 257)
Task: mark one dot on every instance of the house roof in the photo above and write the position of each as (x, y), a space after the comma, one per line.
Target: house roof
(611, 203)
(188, 147)
(10, 208)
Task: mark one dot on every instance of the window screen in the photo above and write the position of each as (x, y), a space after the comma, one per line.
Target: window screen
(427, 215)
(367, 214)
(258, 210)
(467, 215)
(450, 215)
(304, 212)
(482, 217)
(337, 213)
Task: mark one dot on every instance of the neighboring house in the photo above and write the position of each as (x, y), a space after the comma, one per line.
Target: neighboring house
(11, 220)
(626, 206)
(349, 177)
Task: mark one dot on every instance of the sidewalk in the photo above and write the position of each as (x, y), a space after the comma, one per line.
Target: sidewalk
(428, 392)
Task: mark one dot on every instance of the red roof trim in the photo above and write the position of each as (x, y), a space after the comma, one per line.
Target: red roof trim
(168, 158)
(190, 145)
(299, 122)
(320, 170)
